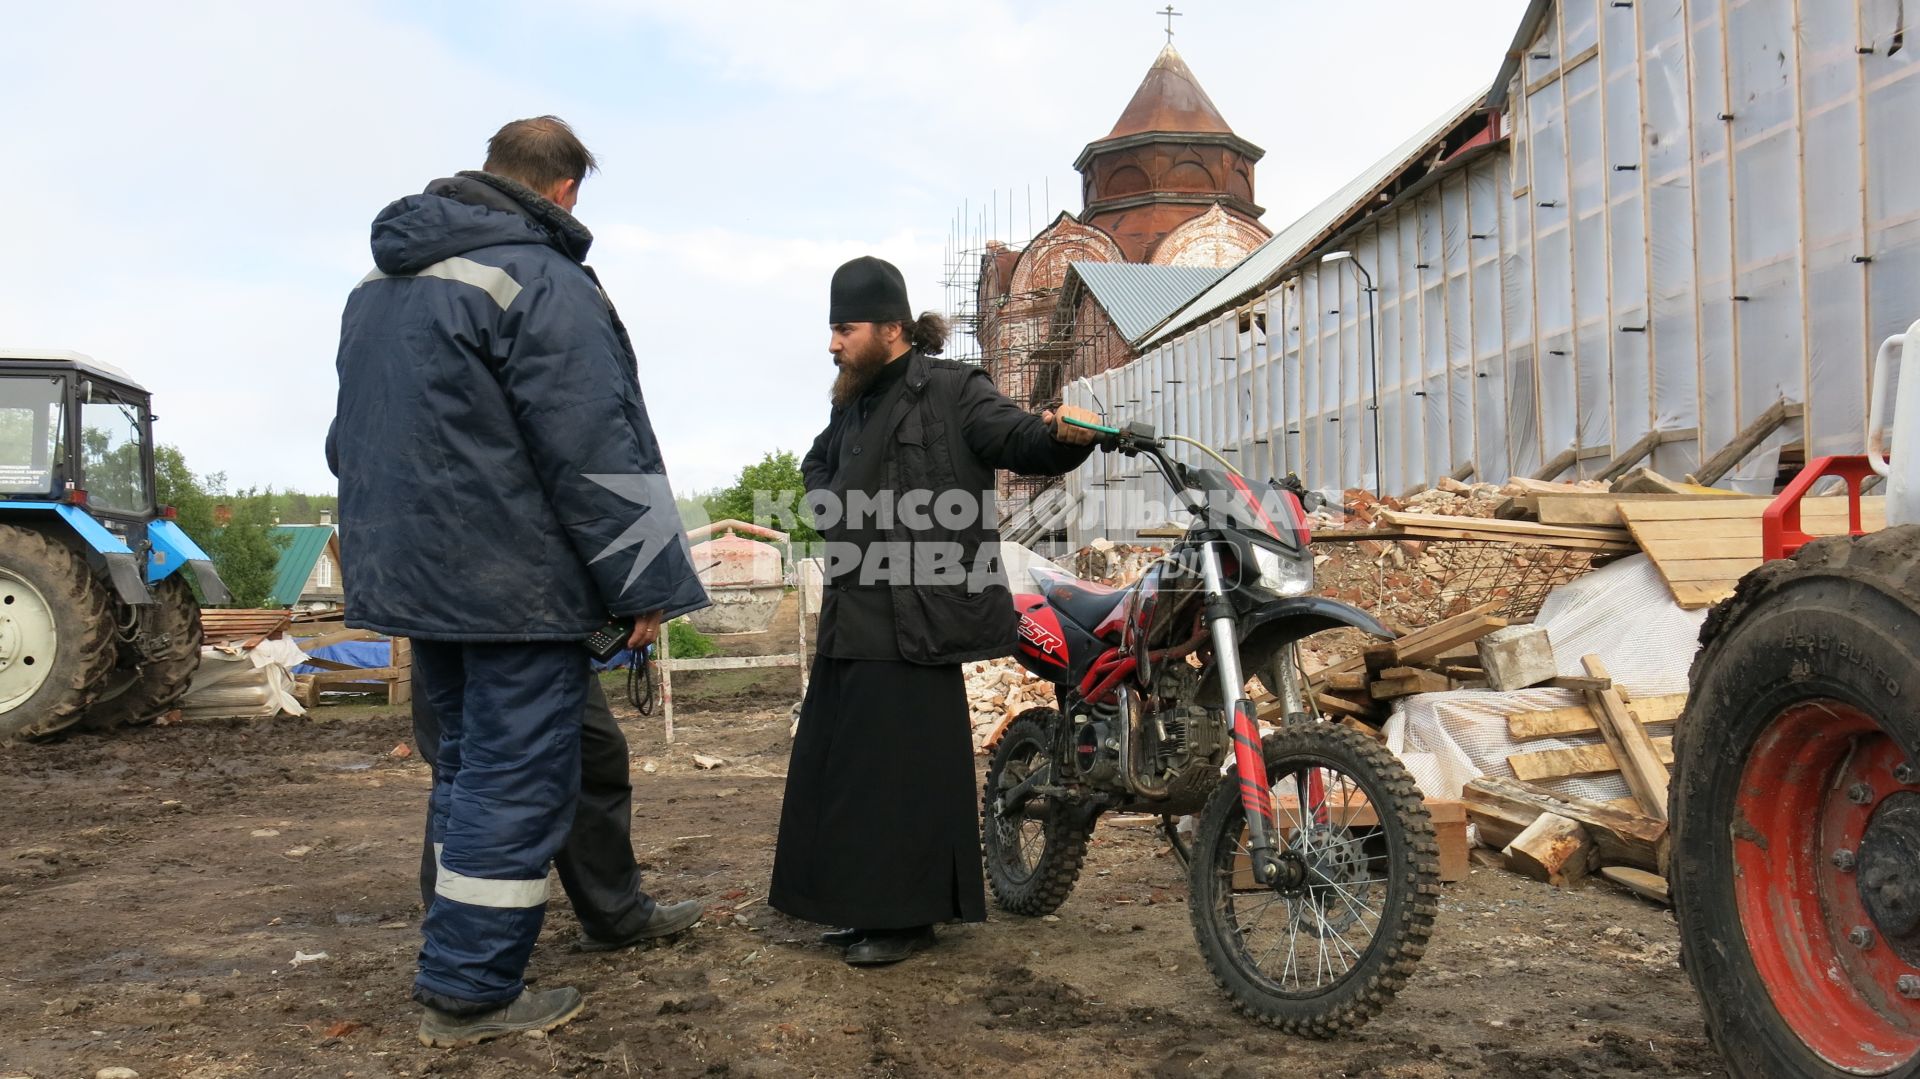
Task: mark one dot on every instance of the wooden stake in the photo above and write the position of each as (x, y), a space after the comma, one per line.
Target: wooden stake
(1639, 761)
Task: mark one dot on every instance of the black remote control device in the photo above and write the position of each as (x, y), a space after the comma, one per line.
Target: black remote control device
(610, 640)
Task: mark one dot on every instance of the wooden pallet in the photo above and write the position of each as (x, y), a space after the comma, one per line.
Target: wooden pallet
(1703, 547)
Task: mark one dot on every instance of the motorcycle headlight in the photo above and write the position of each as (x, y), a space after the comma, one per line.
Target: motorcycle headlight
(1281, 575)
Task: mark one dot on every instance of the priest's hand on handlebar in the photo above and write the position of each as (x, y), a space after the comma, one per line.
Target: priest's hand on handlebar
(1074, 426)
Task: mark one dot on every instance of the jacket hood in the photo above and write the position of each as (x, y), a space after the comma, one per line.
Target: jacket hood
(464, 213)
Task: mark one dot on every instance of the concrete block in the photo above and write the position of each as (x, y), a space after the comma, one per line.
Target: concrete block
(1517, 657)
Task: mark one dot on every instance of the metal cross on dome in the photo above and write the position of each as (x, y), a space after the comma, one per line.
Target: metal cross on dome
(1170, 15)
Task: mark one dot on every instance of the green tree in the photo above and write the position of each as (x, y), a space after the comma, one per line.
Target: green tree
(174, 484)
(246, 550)
(775, 487)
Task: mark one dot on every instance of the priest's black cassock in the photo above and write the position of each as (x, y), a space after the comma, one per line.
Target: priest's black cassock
(880, 827)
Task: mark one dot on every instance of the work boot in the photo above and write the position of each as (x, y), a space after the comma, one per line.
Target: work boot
(882, 946)
(666, 920)
(541, 1011)
(841, 938)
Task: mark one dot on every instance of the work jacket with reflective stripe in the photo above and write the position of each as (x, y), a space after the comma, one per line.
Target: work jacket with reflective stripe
(499, 477)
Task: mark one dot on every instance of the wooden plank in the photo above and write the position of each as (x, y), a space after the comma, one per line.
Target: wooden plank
(1641, 764)
(358, 674)
(1648, 886)
(1578, 683)
(1351, 681)
(1629, 457)
(1703, 509)
(1527, 529)
(730, 663)
(1544, 487)
(1560, 462)
(1422, 682)
(1594, 509)
(332, 664)
(337, 637)
(1552, 849)
(1620, 838)
(1464, 633)
(1462, 535)
(1446, 625)
(1647, 711)
(1579, 761)
(1744, 443)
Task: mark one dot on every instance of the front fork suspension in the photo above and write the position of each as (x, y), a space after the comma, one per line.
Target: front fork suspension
(1255, 797)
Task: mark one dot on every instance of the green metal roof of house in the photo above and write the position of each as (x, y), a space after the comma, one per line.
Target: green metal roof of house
(296, 564)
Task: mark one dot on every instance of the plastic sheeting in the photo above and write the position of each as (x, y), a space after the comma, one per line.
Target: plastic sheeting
(1624, 614)
(251, 683)
(1704, 207)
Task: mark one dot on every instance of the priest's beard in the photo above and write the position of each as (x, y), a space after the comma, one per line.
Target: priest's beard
(858, 371)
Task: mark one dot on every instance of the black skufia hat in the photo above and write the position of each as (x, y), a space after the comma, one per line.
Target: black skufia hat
(868, 290)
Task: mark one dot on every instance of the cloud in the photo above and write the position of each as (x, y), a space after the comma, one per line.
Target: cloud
(192, 182)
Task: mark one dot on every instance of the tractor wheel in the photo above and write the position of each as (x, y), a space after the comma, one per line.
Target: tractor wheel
(163, 679)
(56, 634)
(1796, 814)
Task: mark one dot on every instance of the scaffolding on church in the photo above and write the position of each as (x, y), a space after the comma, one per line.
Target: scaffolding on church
(1016, 335)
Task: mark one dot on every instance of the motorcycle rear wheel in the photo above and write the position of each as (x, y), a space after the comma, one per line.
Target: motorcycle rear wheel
(1033, 857)
(1323, 955)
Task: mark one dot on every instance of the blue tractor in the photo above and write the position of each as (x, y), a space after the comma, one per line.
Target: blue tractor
(99, 623)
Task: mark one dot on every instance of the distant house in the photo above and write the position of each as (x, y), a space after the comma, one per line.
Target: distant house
(308, 575)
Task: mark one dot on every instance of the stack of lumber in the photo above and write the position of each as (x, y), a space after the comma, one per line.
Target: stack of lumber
(1431, 660)
(1489, 530)
(1703, 546)
(246, 628)
(1561, 840)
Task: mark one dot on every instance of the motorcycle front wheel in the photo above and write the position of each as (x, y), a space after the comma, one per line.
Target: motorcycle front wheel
(1321, 950)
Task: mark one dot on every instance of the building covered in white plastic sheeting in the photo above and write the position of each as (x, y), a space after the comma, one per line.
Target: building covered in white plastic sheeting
(1665, 221)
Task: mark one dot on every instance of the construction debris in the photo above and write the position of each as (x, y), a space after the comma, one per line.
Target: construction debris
(997, 692)
(1516, 657)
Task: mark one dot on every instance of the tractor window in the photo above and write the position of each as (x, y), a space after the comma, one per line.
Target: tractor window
(31, 434)
(112, 439)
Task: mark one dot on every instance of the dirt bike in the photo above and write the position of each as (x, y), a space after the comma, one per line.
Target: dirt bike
(1313, 873)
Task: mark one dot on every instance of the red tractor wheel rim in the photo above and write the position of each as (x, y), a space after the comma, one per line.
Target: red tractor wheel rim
(1808, 791)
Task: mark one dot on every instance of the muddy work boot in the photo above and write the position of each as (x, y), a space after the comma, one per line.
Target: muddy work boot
(666, 920)
(541, 1011)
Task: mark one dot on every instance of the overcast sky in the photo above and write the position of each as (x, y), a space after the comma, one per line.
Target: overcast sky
(191, 183)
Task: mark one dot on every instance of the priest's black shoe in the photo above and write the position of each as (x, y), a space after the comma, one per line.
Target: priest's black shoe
(841, 938)
(882, 946)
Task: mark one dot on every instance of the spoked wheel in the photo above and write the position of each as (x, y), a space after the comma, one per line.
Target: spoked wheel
(1796, 815)
(1033, 853)
(1324, 947)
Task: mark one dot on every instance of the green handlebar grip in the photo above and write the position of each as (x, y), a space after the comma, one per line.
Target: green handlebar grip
(1091, 426)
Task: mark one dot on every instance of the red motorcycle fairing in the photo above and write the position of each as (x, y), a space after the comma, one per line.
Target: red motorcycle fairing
(1041, 646)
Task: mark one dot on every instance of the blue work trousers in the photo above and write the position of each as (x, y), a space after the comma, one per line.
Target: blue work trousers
(506, 777)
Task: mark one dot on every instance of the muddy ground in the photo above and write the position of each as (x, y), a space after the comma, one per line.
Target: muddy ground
(156, 887)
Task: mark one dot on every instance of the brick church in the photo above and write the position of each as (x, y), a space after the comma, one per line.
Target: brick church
(1169, 206)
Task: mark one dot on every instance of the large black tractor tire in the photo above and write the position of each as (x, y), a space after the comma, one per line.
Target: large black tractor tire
(1034, 859)
(163, 679)
(56, 634)
(1399, 863)
(1795, 867)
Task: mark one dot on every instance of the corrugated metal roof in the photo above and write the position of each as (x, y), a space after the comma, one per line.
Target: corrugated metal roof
(1530, 24)
(307, 544)
(1290, 244)
(1138, 297)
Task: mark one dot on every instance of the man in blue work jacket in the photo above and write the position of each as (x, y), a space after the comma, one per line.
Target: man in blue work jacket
(501, 494)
